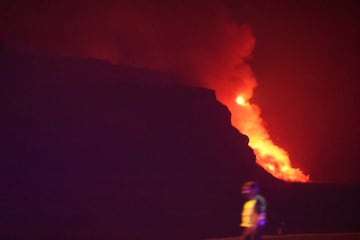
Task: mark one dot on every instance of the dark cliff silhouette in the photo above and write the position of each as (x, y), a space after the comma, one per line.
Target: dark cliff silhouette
(96, 151)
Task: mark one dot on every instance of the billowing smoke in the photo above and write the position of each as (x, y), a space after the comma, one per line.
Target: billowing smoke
(196, 39)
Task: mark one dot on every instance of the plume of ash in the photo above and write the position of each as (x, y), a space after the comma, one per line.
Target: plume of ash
(195, 39)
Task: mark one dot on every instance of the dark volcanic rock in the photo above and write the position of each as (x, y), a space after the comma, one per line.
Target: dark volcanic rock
(96, 151)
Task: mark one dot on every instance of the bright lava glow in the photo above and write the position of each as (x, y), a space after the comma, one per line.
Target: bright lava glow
(272, 158)
(240, 100)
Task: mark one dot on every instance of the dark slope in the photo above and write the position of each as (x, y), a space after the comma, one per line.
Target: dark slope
(96, 151)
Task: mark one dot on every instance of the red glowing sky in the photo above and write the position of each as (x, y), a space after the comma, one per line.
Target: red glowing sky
(305, 61)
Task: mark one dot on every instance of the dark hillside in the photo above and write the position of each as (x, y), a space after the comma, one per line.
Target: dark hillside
(96, 151)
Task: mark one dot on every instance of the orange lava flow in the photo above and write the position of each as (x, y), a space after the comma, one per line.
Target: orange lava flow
(271, 157)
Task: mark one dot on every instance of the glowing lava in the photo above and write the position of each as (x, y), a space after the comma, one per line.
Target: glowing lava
(241, 101)
(271, 157)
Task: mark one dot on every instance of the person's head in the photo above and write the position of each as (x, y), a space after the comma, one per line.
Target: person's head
(250, 189)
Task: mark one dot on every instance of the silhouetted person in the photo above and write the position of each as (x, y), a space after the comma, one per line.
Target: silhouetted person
(253, 216)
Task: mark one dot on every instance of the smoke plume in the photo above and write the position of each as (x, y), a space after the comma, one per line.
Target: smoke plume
(195, 39)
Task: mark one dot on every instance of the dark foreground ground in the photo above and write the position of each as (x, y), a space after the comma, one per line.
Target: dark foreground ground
(310, 236)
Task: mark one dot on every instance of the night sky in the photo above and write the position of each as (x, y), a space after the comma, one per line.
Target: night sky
(305, 61)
